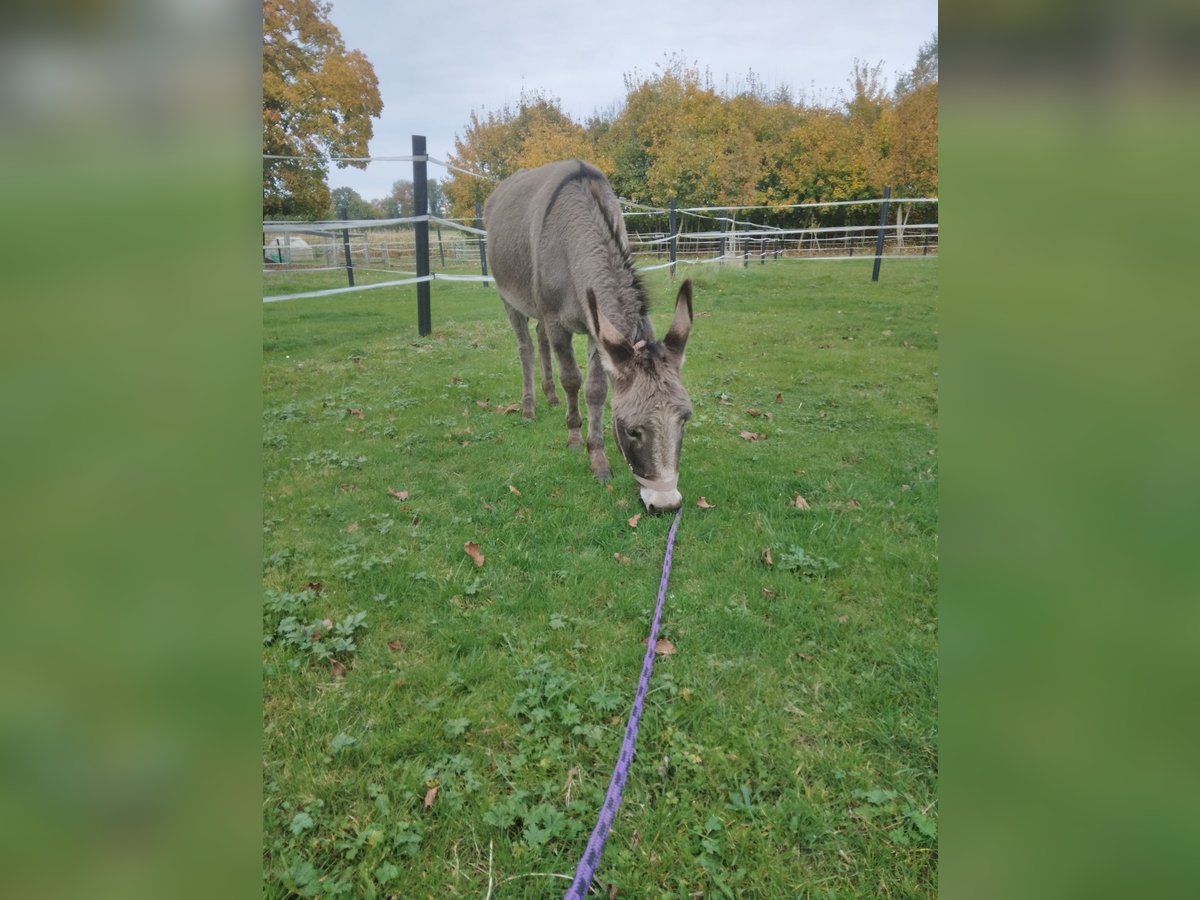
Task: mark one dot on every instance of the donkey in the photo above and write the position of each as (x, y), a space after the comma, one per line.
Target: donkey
(557, 247)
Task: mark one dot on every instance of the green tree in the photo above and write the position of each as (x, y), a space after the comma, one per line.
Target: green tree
(318, 102)
(355, 206)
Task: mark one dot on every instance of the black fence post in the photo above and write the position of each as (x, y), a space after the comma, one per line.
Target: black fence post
(441, 249)
(482, 243)
(674, 237)
(746, 253)
(925, 249)
(421, 208)
(346, 245)
(724, 225)
(887, 193)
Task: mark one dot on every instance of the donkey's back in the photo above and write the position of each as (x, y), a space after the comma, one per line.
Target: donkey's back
(550, 230)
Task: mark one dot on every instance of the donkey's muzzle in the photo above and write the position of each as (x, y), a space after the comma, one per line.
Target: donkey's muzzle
(661, 501)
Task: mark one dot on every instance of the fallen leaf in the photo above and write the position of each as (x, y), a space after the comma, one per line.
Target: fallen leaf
(609, 488)
(633, 520)
(339, 668)
(315, 586)
(430, 796)
(704, 504)
(751, 411)
(399, 495)
(853, 504)
(511, 408)
(357, 413)
(766, 557)
(482, 404)
(768, 593)
(348, 486)
(770, 416)
(514, 490)
(473, 551)
(456, 380)
(351, 528)
(843, 619)
(750, 435)
(487, 505)
(779, 398)
(623, 560)
(397, 646)
(663, 647)
(905, 487)
(800, 503)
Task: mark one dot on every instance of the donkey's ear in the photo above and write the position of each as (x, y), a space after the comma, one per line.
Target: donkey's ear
(681, 325)
(615, 349)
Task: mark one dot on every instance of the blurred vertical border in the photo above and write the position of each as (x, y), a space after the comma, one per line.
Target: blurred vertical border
(130, 763)
(1070, 599)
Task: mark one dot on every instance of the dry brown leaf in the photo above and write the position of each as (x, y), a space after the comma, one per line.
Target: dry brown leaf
(852, 504)
(315, 586)
(633, 520)
(623, 560)
(348, 487)
(753, 436)
(779, 398)
(511, 408)
(663, 647)
(357, 413)
(751, 411)
(399, 495)
(843, 619)
(770, 416)
(351, 528)
(905, 487)
(704, 504)
(474, 552)
(800, 503)
(487, 505)
(457, 379)
(768, 593)
(482, 404)
(514, 490)
(766, 557)
(397, 646)
(339, 668)
(430, 796)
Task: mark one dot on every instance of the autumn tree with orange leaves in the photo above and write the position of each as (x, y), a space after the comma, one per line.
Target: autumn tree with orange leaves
(318, 102)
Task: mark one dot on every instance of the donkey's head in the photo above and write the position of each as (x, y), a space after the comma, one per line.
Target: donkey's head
(649, 404)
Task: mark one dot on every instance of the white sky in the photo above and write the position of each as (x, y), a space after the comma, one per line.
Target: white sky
(436, 62)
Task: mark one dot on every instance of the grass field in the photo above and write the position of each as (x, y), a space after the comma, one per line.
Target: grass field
(451, 730)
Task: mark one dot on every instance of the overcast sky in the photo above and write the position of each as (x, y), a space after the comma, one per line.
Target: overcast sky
(436, 62)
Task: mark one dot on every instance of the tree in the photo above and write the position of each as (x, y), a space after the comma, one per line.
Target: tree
(402, 202)
(318, 102)
(355, 206)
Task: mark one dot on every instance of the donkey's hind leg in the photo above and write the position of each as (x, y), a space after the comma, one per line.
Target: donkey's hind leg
(520, 324)
(547, 369)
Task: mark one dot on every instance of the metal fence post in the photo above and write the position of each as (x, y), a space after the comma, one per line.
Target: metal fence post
(887, 193)
(346, 245)
(421, 208)
(482, 243)
(674, 237)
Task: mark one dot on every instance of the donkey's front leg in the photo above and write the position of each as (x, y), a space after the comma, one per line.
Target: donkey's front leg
(547, 369)
(572, 380)
(596, 391)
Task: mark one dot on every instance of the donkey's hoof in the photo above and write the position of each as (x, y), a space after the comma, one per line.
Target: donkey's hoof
(527, 411)
(553, 400)
(604, 476)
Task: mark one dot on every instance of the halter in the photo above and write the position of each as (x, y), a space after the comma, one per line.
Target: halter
(664, 486)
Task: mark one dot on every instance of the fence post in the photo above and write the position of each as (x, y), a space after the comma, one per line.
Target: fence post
(724, 225)
(674, 234)
(925, 249)
(887, 193)
(441, 249)
(421, 208)
(346, 245)
(482, 243)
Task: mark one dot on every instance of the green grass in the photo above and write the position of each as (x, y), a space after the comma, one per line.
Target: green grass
(789, 747)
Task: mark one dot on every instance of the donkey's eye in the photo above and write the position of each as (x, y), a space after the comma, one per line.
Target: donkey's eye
(635, 434)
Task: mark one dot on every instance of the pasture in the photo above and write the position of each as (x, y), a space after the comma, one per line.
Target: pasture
(451, 730)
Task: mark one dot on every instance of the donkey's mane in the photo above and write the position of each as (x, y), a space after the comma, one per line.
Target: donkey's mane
(639, 286)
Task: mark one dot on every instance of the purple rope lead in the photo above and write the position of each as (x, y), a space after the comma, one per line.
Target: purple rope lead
(612, 798)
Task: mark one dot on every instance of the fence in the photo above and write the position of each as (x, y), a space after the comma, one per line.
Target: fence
(659, 238)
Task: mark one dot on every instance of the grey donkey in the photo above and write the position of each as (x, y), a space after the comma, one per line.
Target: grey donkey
(558, 249)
